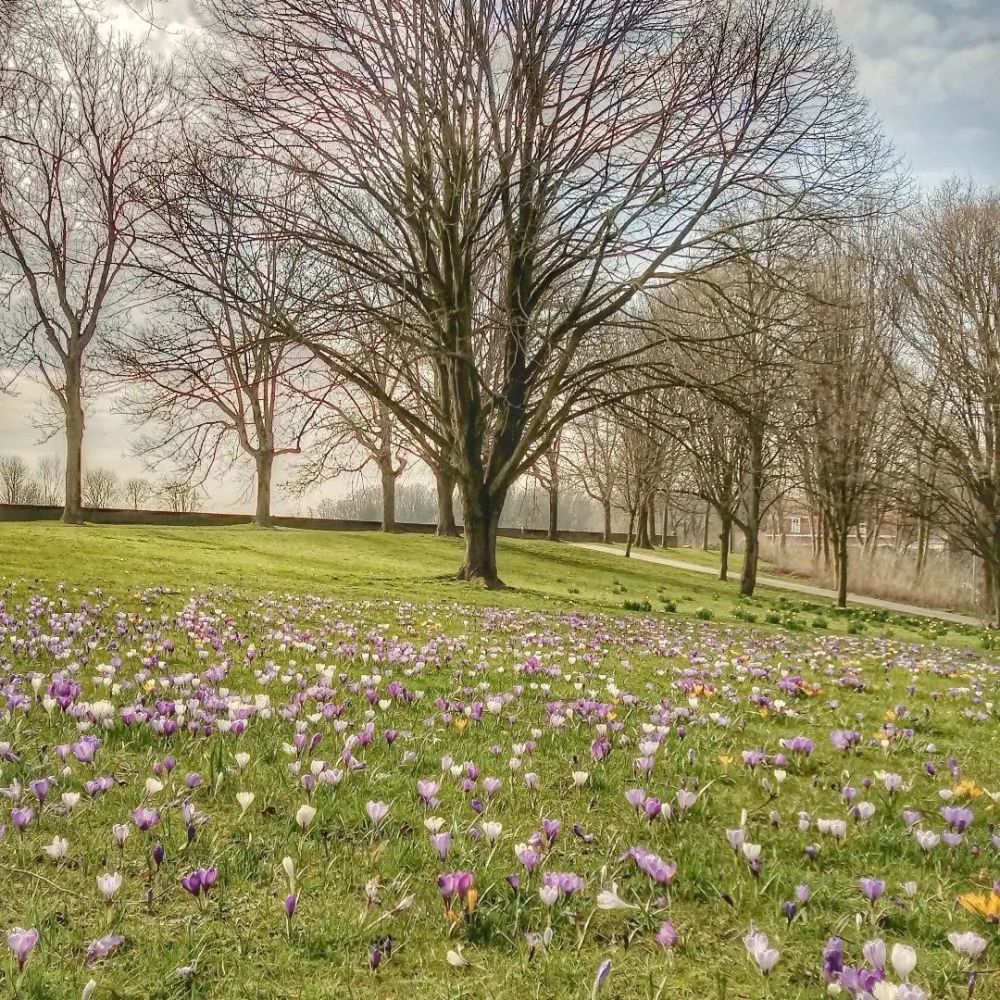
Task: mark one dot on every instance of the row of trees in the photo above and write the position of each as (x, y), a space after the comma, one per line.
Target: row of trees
(652, 250)
(42, 484)
(453, 214)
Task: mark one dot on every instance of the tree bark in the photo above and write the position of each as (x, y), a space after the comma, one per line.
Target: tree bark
(481, 512)
(73, 508)
(446, 526)
(666, 521)
(704, 533)
(631, 531)
(651, 522)
(265, 465)
(842, 567)
(553, 531)
(388, 498)
(922, 541)
(642, 527)
(607, 522)
(752, 503)
(725, 540)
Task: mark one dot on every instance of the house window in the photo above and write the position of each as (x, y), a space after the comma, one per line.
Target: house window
(796, 525)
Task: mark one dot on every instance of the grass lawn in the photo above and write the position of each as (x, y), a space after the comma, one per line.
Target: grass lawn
(457, 793)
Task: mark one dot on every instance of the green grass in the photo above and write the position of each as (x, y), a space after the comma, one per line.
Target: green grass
(413, 567)
(320, 625)
(702, 557)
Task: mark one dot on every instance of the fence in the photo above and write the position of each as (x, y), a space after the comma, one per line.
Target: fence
(200, 519)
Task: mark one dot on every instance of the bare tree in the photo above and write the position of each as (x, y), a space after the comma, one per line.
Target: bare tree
(593, 455)
(180, 496)
(75, 148)
(948, 316)
(849, 422)
(635, 482)
(17, 486)
(51, 477)
(735, 329)
(101, 488)
(716, 449)
(354, 430)
(136, 492)
(210, 381)
(516, 175)
(547, 473)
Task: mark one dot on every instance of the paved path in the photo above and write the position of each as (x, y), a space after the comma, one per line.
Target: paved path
(782, 584)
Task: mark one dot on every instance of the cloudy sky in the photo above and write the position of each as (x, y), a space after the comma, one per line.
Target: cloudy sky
(931, 69)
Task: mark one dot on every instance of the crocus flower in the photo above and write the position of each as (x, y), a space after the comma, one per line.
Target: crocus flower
(833, 960)
(441, 842)
(968, 944)
(608, 899)
(200, 881)
(957, 817)
(57, 849)
(145, 818)
(21, 818)
(759, 949)
(874, 952)
(904, 960)
(377, 812)
(667, 936)
(103, 947)
(108, 884)
(22, 943)
(872, 888)
(304, 816)
(603, 972)
(685, 799)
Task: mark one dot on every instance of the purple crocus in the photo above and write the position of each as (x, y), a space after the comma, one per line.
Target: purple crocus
(452, 884)
(833, 960)
(145, 818)
(22, 943)
(958, 817)
(22, 817)
(872, 888)
(102, 947)
(200, 881)
(441, 842)
(667, 936)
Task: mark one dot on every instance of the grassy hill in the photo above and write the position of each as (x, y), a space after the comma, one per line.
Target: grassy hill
(411, 567)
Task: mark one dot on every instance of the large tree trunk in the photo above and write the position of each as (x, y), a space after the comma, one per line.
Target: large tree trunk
(842, 567)
(388, 497)
(265, 465)
(631, 531)
(726, 541)
(752, 503)
(651, 522)
(73, 509)
(553, 531)
(704, 532)
(446, 526)
(642, 527)
(607, 521)
(481, 512)
(666, 521)
(922, 543)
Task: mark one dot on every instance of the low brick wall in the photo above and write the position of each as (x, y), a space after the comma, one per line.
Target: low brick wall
(200, 519)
